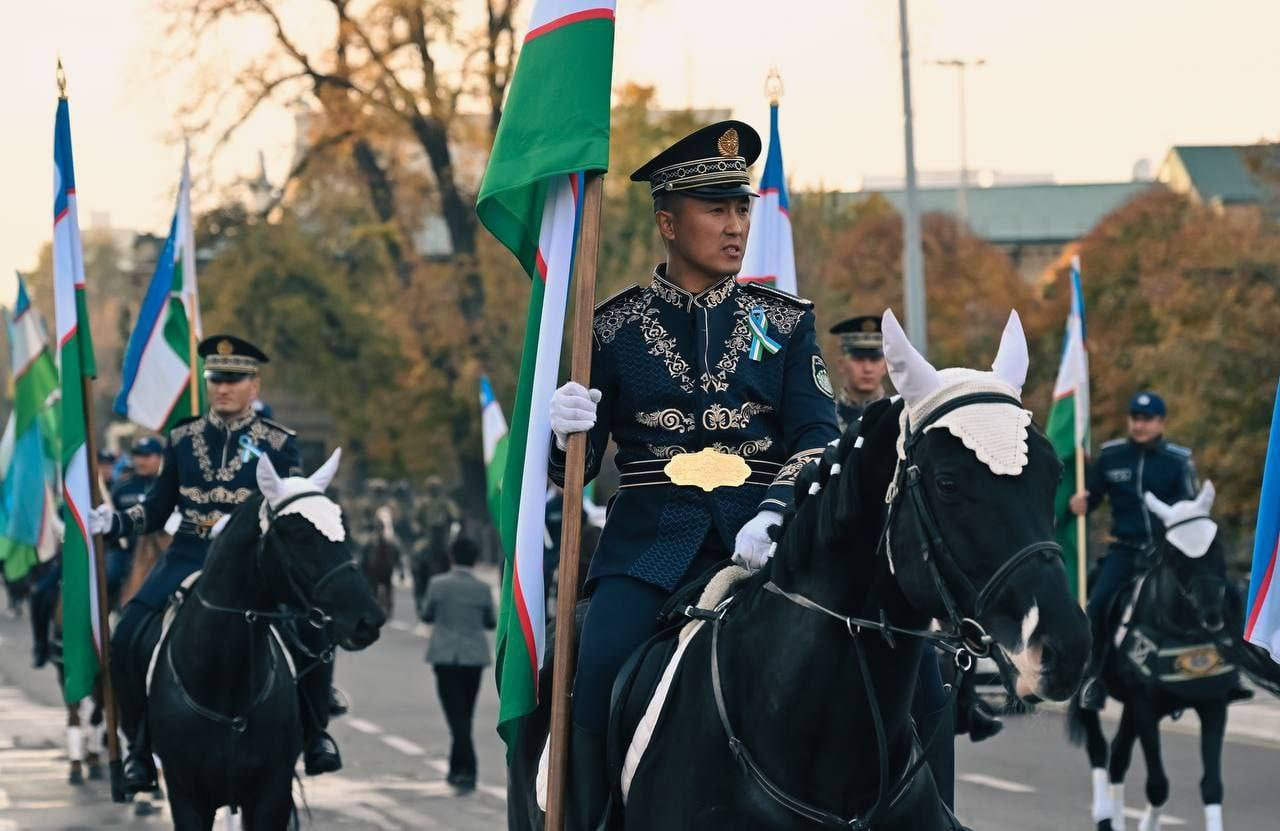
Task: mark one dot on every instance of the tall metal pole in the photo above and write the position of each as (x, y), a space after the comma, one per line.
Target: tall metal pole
(912, 251)
(962, 193)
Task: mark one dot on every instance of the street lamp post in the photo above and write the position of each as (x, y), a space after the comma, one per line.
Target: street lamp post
(912, 252)
(962, 193)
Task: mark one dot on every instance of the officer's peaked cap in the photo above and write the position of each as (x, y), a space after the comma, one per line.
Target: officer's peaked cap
(710, 163)
(861, 336)
(229, 358)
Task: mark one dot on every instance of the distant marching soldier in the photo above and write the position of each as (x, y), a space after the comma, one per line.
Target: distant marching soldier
(862, 369)
(692, 375)
(1126, 469)
(147, 456)
(210, 469)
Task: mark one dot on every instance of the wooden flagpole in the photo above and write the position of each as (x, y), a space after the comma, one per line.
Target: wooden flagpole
(104, 623)
(1081, 533)
(584, 301)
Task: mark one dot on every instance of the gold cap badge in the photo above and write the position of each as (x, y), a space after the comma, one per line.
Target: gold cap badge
(225, 347)
(728, 143)
(868, 325)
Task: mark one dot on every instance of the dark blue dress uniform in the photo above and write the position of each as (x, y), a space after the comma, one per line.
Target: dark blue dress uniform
(131, 491)
(676, 375)
(210, 469)
(1124, 471)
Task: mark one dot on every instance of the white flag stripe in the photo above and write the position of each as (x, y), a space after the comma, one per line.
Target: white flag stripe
(555, 241)
(493, 426)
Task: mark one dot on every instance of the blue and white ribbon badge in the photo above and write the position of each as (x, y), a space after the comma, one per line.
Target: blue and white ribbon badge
(760, 340)
(248, 450)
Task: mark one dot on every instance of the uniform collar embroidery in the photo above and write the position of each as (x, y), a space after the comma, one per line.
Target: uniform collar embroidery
(676, 296)
(237, 423)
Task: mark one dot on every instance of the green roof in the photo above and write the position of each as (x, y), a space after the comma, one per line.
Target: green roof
(1221, 173)
(1013, 214)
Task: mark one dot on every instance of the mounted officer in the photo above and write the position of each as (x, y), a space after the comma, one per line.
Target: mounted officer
(210, 469)
(861, 368)
(1126, 469)
(147, 456)
(716, 394)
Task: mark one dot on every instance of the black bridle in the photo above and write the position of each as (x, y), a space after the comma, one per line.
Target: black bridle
(1185, 589)
(966, 640)
(306, 611)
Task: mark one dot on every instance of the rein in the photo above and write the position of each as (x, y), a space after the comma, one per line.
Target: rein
(966, 640)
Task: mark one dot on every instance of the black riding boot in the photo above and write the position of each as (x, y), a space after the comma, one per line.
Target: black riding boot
(319, 750)
(139, 764)
(588, 783)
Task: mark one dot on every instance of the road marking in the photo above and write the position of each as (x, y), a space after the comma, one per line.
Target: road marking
(1165, 819)
(399, 625)
(4, 799)
(362, 725)
(405, 746)
(995, 782)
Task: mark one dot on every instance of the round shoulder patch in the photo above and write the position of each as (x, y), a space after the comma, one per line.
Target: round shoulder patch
(821, 378)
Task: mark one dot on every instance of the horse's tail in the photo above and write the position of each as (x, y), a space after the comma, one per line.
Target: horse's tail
(1077, 722)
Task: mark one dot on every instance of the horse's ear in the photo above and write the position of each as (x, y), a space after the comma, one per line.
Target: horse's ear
(1204, 501)
(912, 375)
(1155, 506)
(269, 480)
(1012, 360)
(322, 477)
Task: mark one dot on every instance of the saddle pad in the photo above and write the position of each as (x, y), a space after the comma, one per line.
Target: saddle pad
(171, 612)
(1190, 669)
(712, 596)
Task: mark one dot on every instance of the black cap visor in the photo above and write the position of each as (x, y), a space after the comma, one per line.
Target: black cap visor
(221, 377)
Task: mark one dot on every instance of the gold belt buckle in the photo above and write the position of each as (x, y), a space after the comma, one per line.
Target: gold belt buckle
(707, 469)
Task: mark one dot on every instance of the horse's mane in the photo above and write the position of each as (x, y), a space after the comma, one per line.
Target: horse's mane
(242, 529)
(829, 504)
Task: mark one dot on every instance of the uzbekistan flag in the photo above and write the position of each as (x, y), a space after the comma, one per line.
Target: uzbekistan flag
(494, 435)
(156, 381)
(81, 638)
(771, 255)
(555, 128)
(1068, 426)
(1262, 625)
(30, 477)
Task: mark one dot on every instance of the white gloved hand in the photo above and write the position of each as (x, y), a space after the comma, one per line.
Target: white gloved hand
(753, 548)
(573, 410)
(101, 519)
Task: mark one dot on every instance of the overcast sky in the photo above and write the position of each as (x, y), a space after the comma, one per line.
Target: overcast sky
(1079, 90)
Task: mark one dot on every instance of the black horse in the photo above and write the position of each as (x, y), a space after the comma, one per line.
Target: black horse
(792, 708)
(1177, 651)
(223, 704)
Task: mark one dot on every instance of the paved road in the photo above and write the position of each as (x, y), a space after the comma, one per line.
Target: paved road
(394, 744)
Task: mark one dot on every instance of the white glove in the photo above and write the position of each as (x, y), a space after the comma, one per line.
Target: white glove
(573, 410)
(753, 548)
(101, 519)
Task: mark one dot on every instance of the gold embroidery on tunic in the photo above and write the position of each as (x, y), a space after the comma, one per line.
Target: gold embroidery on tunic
(720, 417)
(668, 419)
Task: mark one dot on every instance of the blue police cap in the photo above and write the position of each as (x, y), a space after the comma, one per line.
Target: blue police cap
(1146, 403)
(147, 446)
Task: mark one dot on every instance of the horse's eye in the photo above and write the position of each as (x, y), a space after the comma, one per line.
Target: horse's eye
(946, 484)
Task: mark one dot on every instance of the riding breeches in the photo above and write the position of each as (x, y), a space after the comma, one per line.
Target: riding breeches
(623, 614)
(1114, 573)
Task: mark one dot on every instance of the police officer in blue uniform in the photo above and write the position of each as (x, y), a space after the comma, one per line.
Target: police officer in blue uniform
(147, 457)
(210, 469)
(1126, 469)
(716, 394)
(862, 369)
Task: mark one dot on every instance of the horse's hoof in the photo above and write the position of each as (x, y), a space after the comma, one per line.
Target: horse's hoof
(144, 808)
(75, 777)
(1104, 825)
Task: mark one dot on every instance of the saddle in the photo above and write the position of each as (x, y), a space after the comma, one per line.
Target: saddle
(640, 691)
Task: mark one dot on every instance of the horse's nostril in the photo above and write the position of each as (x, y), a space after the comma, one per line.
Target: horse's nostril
(1048, 657)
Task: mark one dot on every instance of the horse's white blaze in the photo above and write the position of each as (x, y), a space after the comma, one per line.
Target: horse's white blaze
(1026, 658)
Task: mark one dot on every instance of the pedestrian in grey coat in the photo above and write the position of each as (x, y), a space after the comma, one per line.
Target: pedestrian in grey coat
(459, 605)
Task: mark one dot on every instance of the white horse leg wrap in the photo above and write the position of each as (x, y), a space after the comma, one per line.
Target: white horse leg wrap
(1101, 796)
(75, 744)
(97, 739)
(1150, 820)
(1213, 818)
(1117, 807)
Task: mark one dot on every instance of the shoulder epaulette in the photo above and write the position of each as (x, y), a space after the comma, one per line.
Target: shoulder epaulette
(1178, 450)
(627, 292)
(185, 427)
(278, 426)
(1113, 444)
(769, 291)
